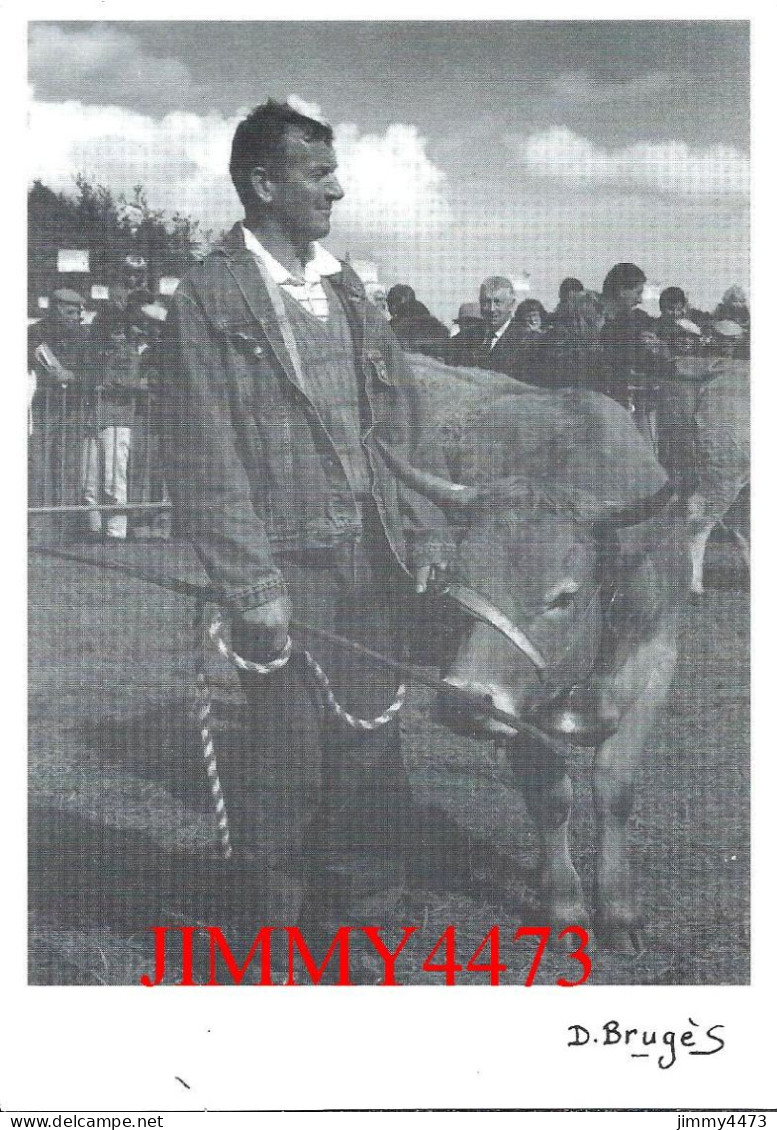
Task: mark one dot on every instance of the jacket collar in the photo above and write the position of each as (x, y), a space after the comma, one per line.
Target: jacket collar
(244, 270)
(243, 267)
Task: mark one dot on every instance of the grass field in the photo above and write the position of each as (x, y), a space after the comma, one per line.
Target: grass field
(122, 836)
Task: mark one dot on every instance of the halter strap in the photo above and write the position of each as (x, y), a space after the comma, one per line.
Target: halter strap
(483, 610)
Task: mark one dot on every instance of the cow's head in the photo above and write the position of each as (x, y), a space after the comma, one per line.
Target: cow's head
(534, 550)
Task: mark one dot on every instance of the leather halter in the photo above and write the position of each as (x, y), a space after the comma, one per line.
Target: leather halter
(482, 609)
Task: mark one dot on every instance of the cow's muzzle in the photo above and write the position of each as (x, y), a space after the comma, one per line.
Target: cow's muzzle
(584, 715)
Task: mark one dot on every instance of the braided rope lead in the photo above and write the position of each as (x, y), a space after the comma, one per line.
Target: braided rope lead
(283, 657)
(318, 673)
(340, 712)
(202, 712)
(203, 705)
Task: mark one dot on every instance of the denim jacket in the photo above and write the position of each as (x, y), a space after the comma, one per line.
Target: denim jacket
(252, 470)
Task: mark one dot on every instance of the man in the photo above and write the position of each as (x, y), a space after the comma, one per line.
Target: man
(57, 359)
(415, 328)
(673, 304)
(468, 337)
(378, 296)
(134, 282)
(529, 319)
(277, 368)
(631, 351)
(119, 341)
(500, 350)
(568, 290)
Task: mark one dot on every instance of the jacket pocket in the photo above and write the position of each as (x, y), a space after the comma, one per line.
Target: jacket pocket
(243, 336)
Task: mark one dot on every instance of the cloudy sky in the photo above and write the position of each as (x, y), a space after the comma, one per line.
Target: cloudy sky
(466, 149)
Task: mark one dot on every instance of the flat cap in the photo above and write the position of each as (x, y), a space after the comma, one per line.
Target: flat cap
(727, 328)
(468, 310)
(70, 296)
(687, 326)
(155, 311)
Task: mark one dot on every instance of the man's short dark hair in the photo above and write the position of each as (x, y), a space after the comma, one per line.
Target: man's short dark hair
(400, 296)
(569, 286)
(623, 276)
(260, 139)
(672, 296)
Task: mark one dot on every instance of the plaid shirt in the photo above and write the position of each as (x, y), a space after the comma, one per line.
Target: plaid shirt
(308, 290)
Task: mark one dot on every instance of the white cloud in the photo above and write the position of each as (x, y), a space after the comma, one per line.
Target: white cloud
(67, 63)
(392, 186)
(670, 167)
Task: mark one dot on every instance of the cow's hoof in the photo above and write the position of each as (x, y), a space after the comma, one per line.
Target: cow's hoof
(571, 921)
(697, 595)
(626, 940)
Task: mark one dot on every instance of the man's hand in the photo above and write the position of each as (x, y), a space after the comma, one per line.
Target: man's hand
(270, 624)
(426, 575)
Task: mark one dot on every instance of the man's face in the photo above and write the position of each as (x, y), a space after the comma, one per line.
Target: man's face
(531, 321)
(496, 306)
(630, 296)
(67, 313)
(305, 188)
(673, 311)
(134, 279)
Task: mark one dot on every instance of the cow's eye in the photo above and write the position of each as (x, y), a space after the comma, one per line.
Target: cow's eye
(559, 601)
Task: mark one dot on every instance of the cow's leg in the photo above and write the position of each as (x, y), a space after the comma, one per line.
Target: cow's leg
(699, 530)
(548, 794)
(641, 685)
(743, 544)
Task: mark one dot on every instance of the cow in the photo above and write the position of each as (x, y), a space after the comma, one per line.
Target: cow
(573, 565)
(704, 431)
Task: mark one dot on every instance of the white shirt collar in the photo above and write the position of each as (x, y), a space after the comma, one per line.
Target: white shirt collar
(321, 262)
(496, 334)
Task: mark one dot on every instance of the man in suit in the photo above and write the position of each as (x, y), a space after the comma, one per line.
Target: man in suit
(277, 368)
(501, 346)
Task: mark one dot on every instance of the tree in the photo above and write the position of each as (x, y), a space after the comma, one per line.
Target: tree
(109, 227)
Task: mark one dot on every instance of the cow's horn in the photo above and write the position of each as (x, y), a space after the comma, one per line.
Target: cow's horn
(435, 487)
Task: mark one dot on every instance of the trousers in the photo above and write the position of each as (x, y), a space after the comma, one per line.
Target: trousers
(319, 811)
(107, 451)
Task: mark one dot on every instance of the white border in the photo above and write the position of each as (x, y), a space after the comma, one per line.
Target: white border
(72, 1049)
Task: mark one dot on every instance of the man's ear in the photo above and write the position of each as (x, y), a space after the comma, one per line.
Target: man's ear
(263, 185)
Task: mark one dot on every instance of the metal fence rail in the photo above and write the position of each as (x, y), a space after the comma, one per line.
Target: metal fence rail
(74, 466)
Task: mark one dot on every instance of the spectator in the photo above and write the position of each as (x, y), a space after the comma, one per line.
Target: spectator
(464, 344)
(499, 351)
(57, 361)
(415, 328)
(624, 355)
(118, 344)
(529, 319)
(148, 481)
(631, 349)
(569, 287)
(572, 353)
(733, 308)
(673, 304)
(134, 281)
(377, 294)
(727, 338)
